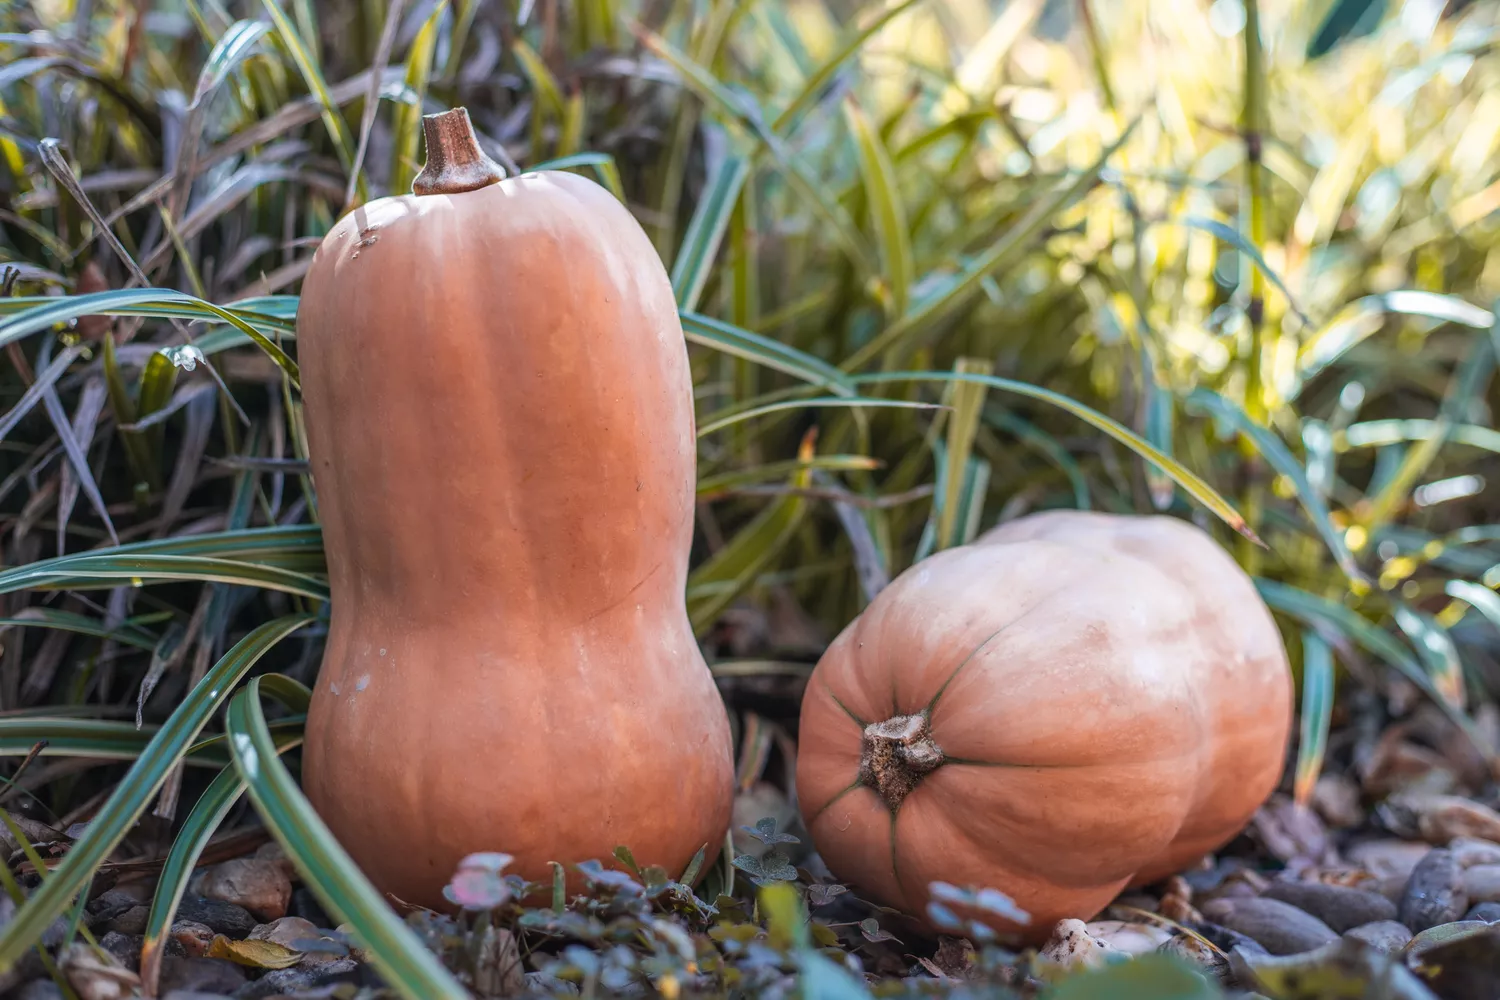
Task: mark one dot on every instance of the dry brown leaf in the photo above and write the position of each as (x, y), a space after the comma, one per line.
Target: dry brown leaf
(256, 954)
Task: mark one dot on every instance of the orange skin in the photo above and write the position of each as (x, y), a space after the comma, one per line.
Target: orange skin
(499, 415)
(1111, 700)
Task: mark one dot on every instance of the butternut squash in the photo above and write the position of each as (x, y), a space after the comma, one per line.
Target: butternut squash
(500, 425)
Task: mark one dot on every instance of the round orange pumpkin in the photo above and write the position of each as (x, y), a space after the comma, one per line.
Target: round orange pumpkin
(1074, 703)
(500, 423)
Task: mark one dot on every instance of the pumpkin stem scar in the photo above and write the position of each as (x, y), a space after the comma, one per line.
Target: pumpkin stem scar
(896, 755)
(455, 161)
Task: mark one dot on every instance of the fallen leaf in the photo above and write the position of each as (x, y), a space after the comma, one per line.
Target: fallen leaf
(254, 953)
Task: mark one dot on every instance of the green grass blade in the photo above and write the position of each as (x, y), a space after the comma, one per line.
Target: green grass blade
(325, 867)
(302, 58)
(233, 47)
(1481, 598)
(276, 314)
(709, 486)
(132, 795)
(88, 571)
(1395, 491)
(1318, 611)
(730, 339)
(1436, 651)
(705, 232)
(719, 424)
(1029, 434)
(959, 478)
(883, 193)
(1378, 433)
(1236, 239)
(1280, 458)
(1366, 316)
(291, 545)
(741, 109)
(1002, 253)
(197, 830)
(814, 85)
(69, 621)
(290, 727)
(100, 739)
(1317, 713)
(160, 302)
(1160, 411)
(543, 83)
(1180, 474)
(605, 168)
(715, 583)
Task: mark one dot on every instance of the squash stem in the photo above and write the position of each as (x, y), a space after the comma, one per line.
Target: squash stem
(455, 162)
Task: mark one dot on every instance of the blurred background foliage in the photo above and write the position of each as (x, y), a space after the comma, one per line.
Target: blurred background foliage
(1255, 240)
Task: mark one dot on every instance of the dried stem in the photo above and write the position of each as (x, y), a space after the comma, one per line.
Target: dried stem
(455, 163)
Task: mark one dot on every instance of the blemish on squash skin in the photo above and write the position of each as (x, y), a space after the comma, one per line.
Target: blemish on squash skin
(367, 238)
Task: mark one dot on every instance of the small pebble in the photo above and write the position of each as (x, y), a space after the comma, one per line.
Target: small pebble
(272, 852)
(1435, 892)
(1388, 936)
(306, 906)
(1471, 851)
(1128, 936)
(1482, 883)
(298, 978)
(286, 932)
(1280, 927)
(132, 921)
(1071, 945)
(260, 885)
(108, 905)
(1339, 907)
(1195, 952)
(1393, 887)
(1336, 799)
(1445, 817)
(220, 917)
(193, 938)
(1384, 858)
(126, 948)
(1227, 940)
(1487, 912)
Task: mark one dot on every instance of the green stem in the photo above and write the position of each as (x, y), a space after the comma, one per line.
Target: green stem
(1253, 127)
(1096, 49)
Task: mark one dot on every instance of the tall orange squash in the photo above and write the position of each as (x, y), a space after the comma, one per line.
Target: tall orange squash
(500, 423)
